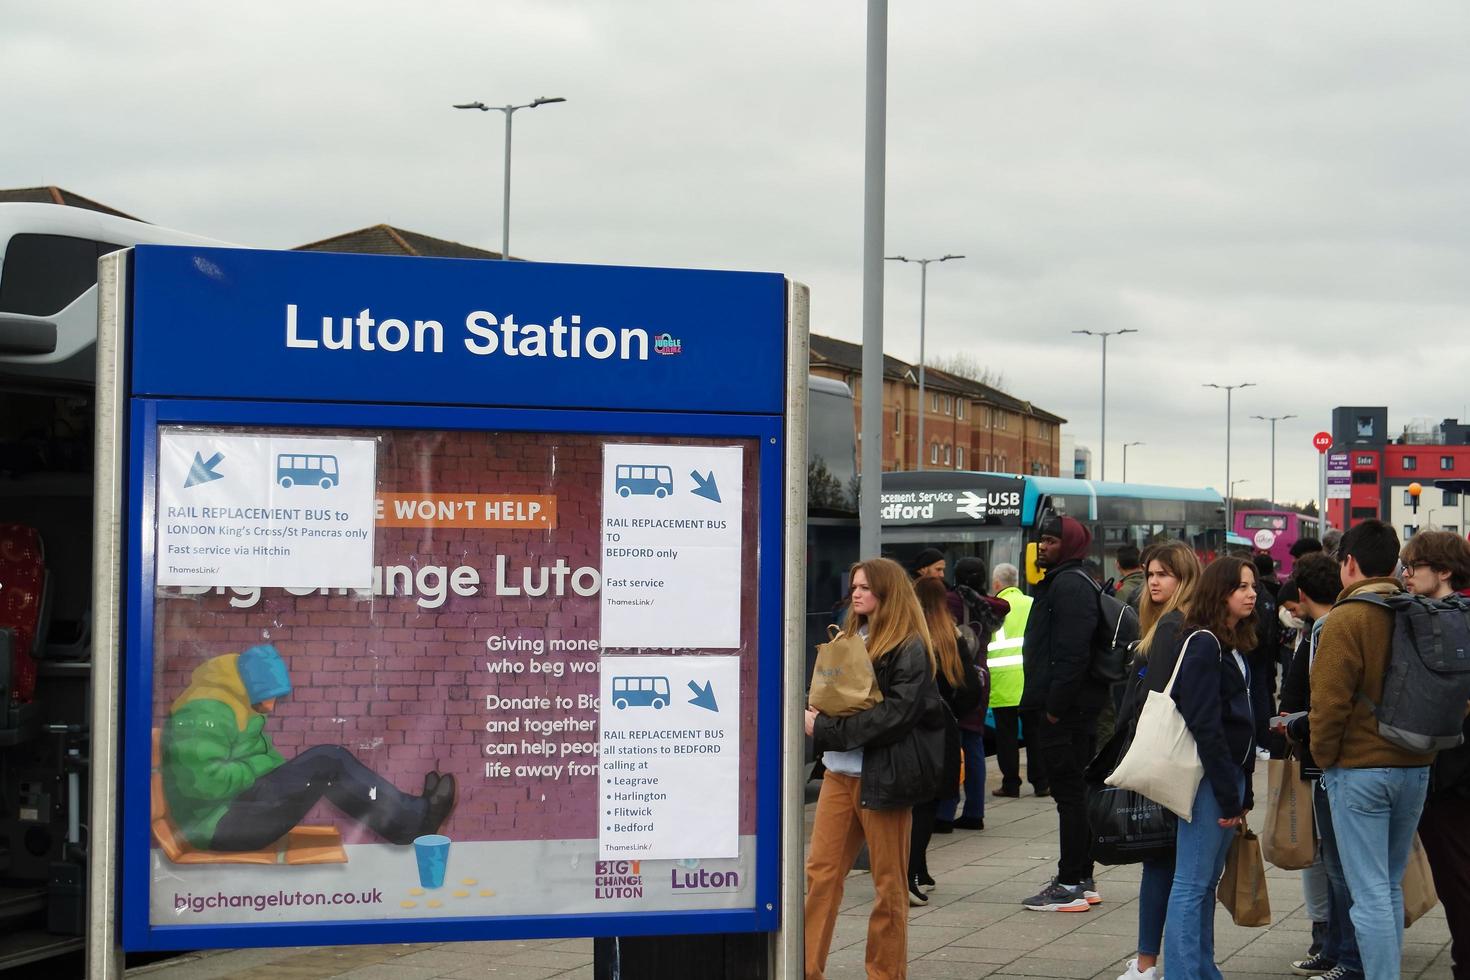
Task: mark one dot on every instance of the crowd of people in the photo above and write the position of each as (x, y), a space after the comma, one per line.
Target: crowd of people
(1215, 640)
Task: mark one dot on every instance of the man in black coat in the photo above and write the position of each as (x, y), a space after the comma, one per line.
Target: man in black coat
(1057, 654)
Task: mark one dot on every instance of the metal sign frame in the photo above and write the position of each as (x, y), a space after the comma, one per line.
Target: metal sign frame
(124, 594)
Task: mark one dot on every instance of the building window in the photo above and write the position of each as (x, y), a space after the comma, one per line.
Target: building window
(1365, 427)
(934, 452)
(948, 405)
(947, 460)
(933, 401)
(1410, 530)
(959, 410)
(1451, 498)
(959, 457)
(1364, 513)
(1005, 420)
(1365, 476)
(1452, 528)
(1408, 499)
(1447, 462)
(1002, 465)
(1411, 462)
(898, 421)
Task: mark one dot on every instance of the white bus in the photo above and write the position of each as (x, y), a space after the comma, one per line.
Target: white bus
(48, 326)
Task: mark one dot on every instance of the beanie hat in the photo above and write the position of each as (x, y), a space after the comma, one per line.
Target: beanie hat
(264, 674)
(1075, 537)
(972, 572)
(1051, 526)
(925, 558)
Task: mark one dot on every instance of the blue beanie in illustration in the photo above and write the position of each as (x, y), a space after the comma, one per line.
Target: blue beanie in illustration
(264, 674)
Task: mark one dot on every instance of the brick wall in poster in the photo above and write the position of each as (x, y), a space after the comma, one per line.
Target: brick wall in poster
(403, 686)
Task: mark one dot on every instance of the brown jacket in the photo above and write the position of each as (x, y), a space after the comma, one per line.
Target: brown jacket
(1352, 657)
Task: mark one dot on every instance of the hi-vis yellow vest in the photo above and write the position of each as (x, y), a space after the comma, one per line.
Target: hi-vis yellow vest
(1007, 676)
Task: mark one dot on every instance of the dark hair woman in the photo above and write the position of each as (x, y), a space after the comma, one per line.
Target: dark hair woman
(959, 686)
(1212, 690)
(880, 763)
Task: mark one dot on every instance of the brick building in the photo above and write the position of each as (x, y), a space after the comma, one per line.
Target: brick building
(1383, 468)
(967, 425)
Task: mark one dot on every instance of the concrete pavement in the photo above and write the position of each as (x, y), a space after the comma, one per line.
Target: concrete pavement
(973, 927)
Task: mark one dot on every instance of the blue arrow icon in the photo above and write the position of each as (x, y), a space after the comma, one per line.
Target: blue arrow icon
(706, 487)
(203, 470)
(703, 697)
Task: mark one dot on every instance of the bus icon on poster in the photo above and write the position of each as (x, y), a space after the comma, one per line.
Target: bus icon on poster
(647, 481)
(296, 469)
(640, 692)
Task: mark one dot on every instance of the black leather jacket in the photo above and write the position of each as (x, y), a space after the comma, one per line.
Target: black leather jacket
(902, 737)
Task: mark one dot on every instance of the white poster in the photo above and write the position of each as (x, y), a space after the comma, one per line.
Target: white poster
(669, 764)
(671, 546)
(257, 510)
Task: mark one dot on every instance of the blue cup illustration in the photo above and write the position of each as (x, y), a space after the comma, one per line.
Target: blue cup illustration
(432, 852)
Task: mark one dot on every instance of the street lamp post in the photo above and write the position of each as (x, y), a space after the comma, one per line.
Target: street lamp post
(1229, 506)
(923, 297)
(1273, 419)
(1102, 462)
(1125, 457)
(509, 111)
(1229, 503)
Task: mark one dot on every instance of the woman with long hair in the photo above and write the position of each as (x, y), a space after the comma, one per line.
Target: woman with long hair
(959, 686)
(880, 762)
(1171, 573)
(1212, 691)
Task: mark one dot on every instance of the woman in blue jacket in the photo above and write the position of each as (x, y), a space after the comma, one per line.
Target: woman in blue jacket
(1213, 694)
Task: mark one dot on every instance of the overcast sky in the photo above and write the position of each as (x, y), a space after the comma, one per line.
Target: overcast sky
(1267, 192)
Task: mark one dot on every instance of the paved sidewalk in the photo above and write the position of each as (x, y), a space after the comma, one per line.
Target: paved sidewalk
(973, 927)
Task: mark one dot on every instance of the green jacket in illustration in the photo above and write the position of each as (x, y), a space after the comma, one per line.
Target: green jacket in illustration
(214, 748)
(1007, 676)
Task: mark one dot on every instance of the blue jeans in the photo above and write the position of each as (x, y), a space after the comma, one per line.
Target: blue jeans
(1153, 905)
(974, 748)
(1201, 848)
(1341, 945)
(1374, 814)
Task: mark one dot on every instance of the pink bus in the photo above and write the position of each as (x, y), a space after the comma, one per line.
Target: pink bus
(1274, 532)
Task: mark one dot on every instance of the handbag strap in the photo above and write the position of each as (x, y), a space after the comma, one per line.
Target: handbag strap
(1179, 661)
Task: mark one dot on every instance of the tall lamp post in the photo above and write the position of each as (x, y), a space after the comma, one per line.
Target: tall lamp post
(509, 111)
(923, 297)
(1125, 457)
(1273, 419)
(1102, 462)
(1230, 493)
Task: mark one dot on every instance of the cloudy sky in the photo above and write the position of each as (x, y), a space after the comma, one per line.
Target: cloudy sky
(1274, 193)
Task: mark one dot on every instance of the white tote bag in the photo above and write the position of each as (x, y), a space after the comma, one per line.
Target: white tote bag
(1163, 761)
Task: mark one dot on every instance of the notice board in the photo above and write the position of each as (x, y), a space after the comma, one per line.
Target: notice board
(454, 600)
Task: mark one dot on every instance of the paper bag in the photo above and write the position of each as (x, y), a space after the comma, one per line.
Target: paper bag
(842, 680)
(1287, 840)
(1243, 885)
(1419, 895)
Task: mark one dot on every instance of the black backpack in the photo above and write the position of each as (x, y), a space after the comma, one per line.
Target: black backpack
(1114, 637)
(1428, 679)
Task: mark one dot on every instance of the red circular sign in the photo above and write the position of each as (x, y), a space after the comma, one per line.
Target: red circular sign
(1323, 441)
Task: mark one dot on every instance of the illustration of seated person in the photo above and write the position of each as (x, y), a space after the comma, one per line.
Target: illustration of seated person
(233, 798)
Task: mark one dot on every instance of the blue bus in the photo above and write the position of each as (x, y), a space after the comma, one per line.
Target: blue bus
(640, 692)
(994, 516)
(648, 481)
(307, 470)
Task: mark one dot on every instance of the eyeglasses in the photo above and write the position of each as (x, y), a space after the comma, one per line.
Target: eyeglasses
(1414, 566)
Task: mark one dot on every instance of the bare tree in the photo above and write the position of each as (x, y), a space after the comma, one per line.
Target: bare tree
(966, 365)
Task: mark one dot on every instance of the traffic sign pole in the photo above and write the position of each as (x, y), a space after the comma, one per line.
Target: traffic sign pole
(1322, 441)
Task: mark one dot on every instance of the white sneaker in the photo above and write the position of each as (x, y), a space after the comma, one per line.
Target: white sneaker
(1263, 754)
(1134, 973)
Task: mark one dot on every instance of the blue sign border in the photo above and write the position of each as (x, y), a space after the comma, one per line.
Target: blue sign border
(177, 355)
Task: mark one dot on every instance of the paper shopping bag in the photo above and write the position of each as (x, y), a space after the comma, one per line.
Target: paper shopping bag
(1243, 885)
(842, 681)
(1419, 894)
(1288, 840)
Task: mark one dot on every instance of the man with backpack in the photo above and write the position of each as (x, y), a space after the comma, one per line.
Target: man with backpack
(1376, 787)
(1059, 685)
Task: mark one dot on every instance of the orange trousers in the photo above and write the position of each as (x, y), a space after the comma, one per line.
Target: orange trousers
(838, 834)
